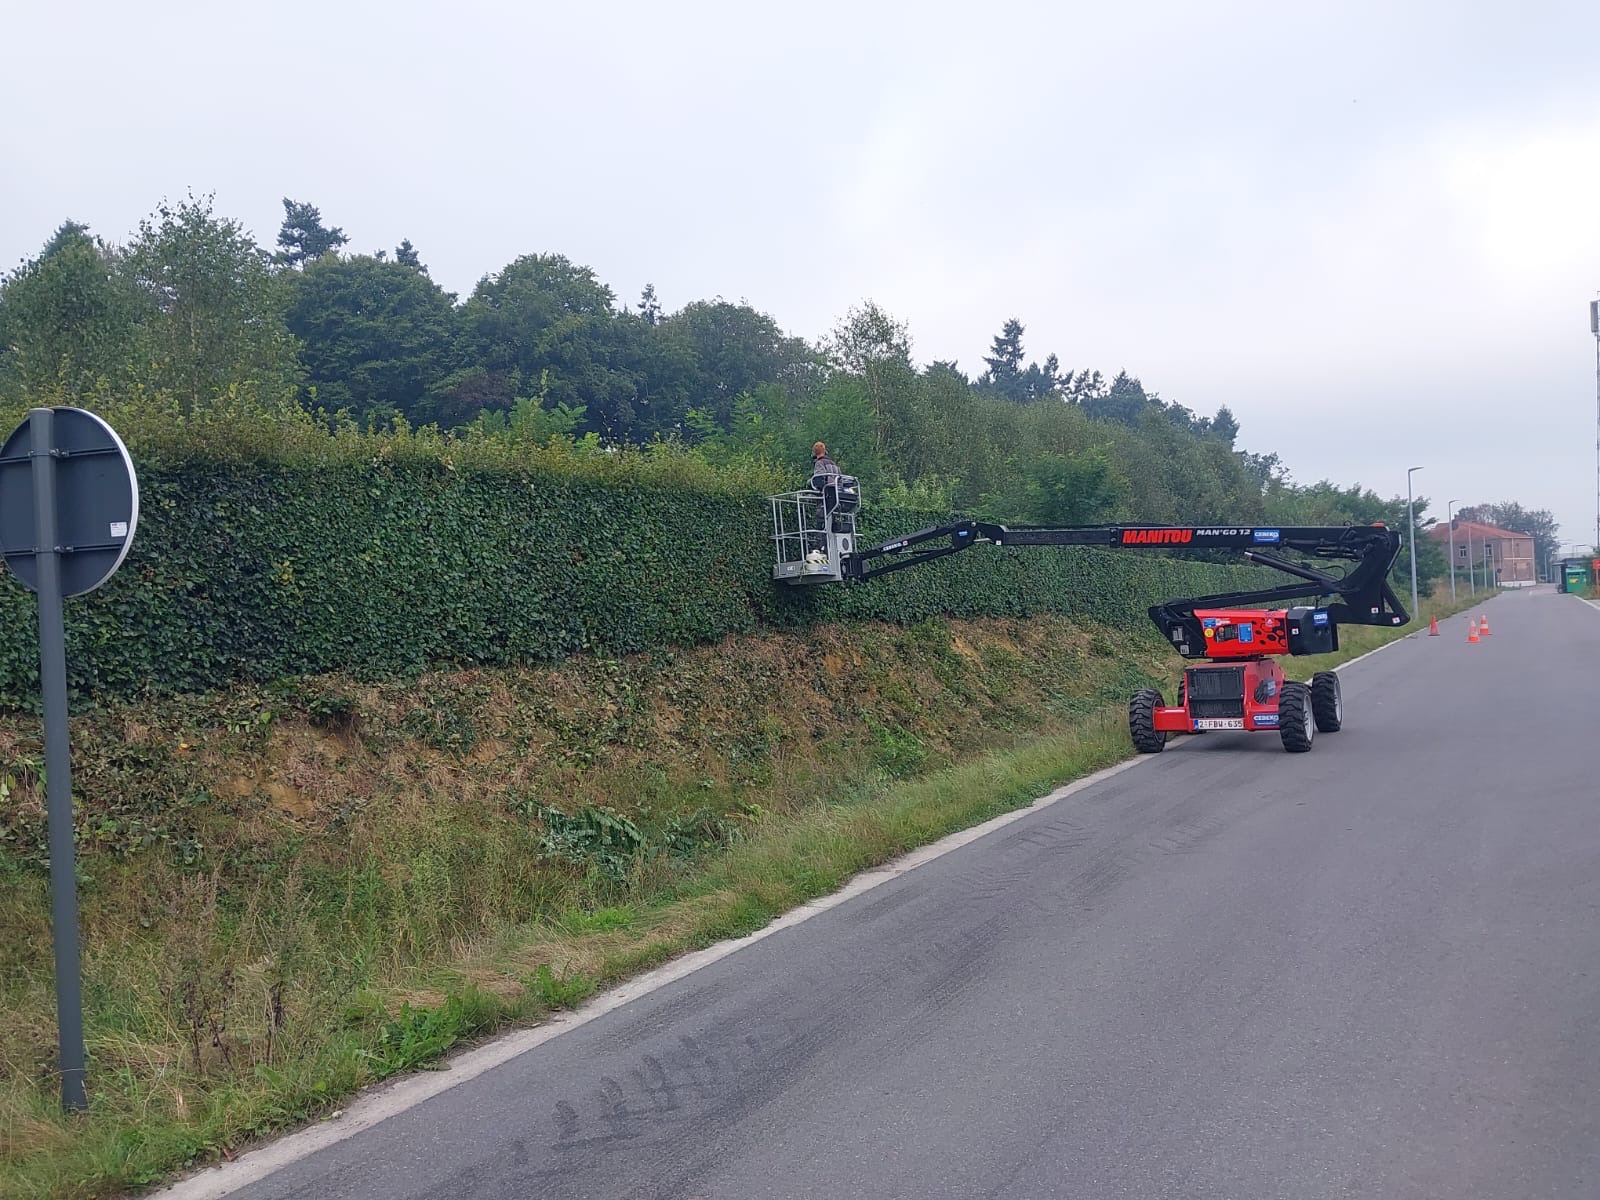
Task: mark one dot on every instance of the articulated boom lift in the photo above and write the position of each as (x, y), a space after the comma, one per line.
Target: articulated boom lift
(1240, 686)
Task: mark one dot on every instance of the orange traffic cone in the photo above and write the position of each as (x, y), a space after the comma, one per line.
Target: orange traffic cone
(1433, 627)
(1483, 626)
(1472, 631)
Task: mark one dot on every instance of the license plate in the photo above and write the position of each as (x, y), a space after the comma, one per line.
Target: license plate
(1219, 723)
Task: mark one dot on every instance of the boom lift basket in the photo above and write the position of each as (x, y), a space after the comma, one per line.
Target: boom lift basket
(814, 532)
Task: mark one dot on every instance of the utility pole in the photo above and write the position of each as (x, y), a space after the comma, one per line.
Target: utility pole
(1449, 508)
(1411, 537)
(1472, 563)
(1594, 327)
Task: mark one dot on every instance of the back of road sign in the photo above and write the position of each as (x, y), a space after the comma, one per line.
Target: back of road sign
(97, 501)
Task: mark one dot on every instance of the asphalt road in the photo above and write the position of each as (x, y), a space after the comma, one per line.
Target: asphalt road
(1372, 970)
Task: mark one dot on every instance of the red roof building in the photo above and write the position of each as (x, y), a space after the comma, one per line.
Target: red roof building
(1501, 556)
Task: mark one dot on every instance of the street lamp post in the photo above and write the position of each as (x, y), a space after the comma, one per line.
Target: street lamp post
(1449, 508)
(1472, 564)
(1594, 326)
(1411, 520)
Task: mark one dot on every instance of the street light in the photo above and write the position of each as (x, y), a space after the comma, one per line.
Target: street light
(1449, 508)
(1411, 520)
(1594, 326)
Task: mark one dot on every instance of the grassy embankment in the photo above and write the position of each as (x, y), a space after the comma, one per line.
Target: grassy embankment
(290, 892)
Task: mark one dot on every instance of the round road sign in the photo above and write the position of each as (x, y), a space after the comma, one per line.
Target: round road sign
(96, 501)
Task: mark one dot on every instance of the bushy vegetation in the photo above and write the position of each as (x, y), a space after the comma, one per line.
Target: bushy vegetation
(191, 316)
(264, 555)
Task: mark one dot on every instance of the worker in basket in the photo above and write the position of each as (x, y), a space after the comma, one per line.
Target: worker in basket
(824, 470)
(826, 479)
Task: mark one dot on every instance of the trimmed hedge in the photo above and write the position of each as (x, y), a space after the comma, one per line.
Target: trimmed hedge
(379, 570)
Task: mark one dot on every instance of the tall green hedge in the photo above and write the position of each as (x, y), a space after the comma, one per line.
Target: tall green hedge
(258, 572)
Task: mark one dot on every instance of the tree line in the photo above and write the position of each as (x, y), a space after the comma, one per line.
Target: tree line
(192, 312)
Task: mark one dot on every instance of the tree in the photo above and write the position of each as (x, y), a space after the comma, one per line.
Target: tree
(1059, 489)
(303, 238)
(1263, 470)
(545, 317)
(462, 396)
(406, 255)
(1123, 403)
(649, 306)
(868, 337)
(949, 368)
(765, 426)
(1042, 382)
(842, 417)
(1004, 360)
(68, 233)
(216, 323)
(1008, 378)
(711, 352)
(874, 347)
(69, 320)
(1083, 388)
(1224, 426)
(377, 337)
(531, 419)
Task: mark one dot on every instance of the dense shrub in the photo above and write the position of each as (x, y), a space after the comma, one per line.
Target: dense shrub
(380, 566)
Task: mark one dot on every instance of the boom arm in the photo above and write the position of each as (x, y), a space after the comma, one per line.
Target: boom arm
(1365, 595)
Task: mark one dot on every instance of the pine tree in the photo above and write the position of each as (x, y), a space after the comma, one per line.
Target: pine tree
(1004, 360)
(406, 255)
(303, 238)
(649, 306)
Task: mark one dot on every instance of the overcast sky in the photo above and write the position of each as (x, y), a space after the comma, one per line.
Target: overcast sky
(1372, 230)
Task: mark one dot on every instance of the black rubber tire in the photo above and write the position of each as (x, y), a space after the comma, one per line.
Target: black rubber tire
(1327, 702)
(1142, 721)
(1296, 725)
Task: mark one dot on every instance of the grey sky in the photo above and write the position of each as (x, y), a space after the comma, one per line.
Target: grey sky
(1371, 229)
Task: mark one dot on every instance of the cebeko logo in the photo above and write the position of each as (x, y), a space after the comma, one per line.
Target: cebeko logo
(1266, 719)
(1156, 537)
(1267, 536)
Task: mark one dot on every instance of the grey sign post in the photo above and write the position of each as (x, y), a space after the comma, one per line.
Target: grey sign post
(69, 504)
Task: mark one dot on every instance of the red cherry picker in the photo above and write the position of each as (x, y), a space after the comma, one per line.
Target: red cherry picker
(1239, 685)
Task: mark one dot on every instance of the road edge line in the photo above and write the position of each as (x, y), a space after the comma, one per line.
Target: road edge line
(1376, 650)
